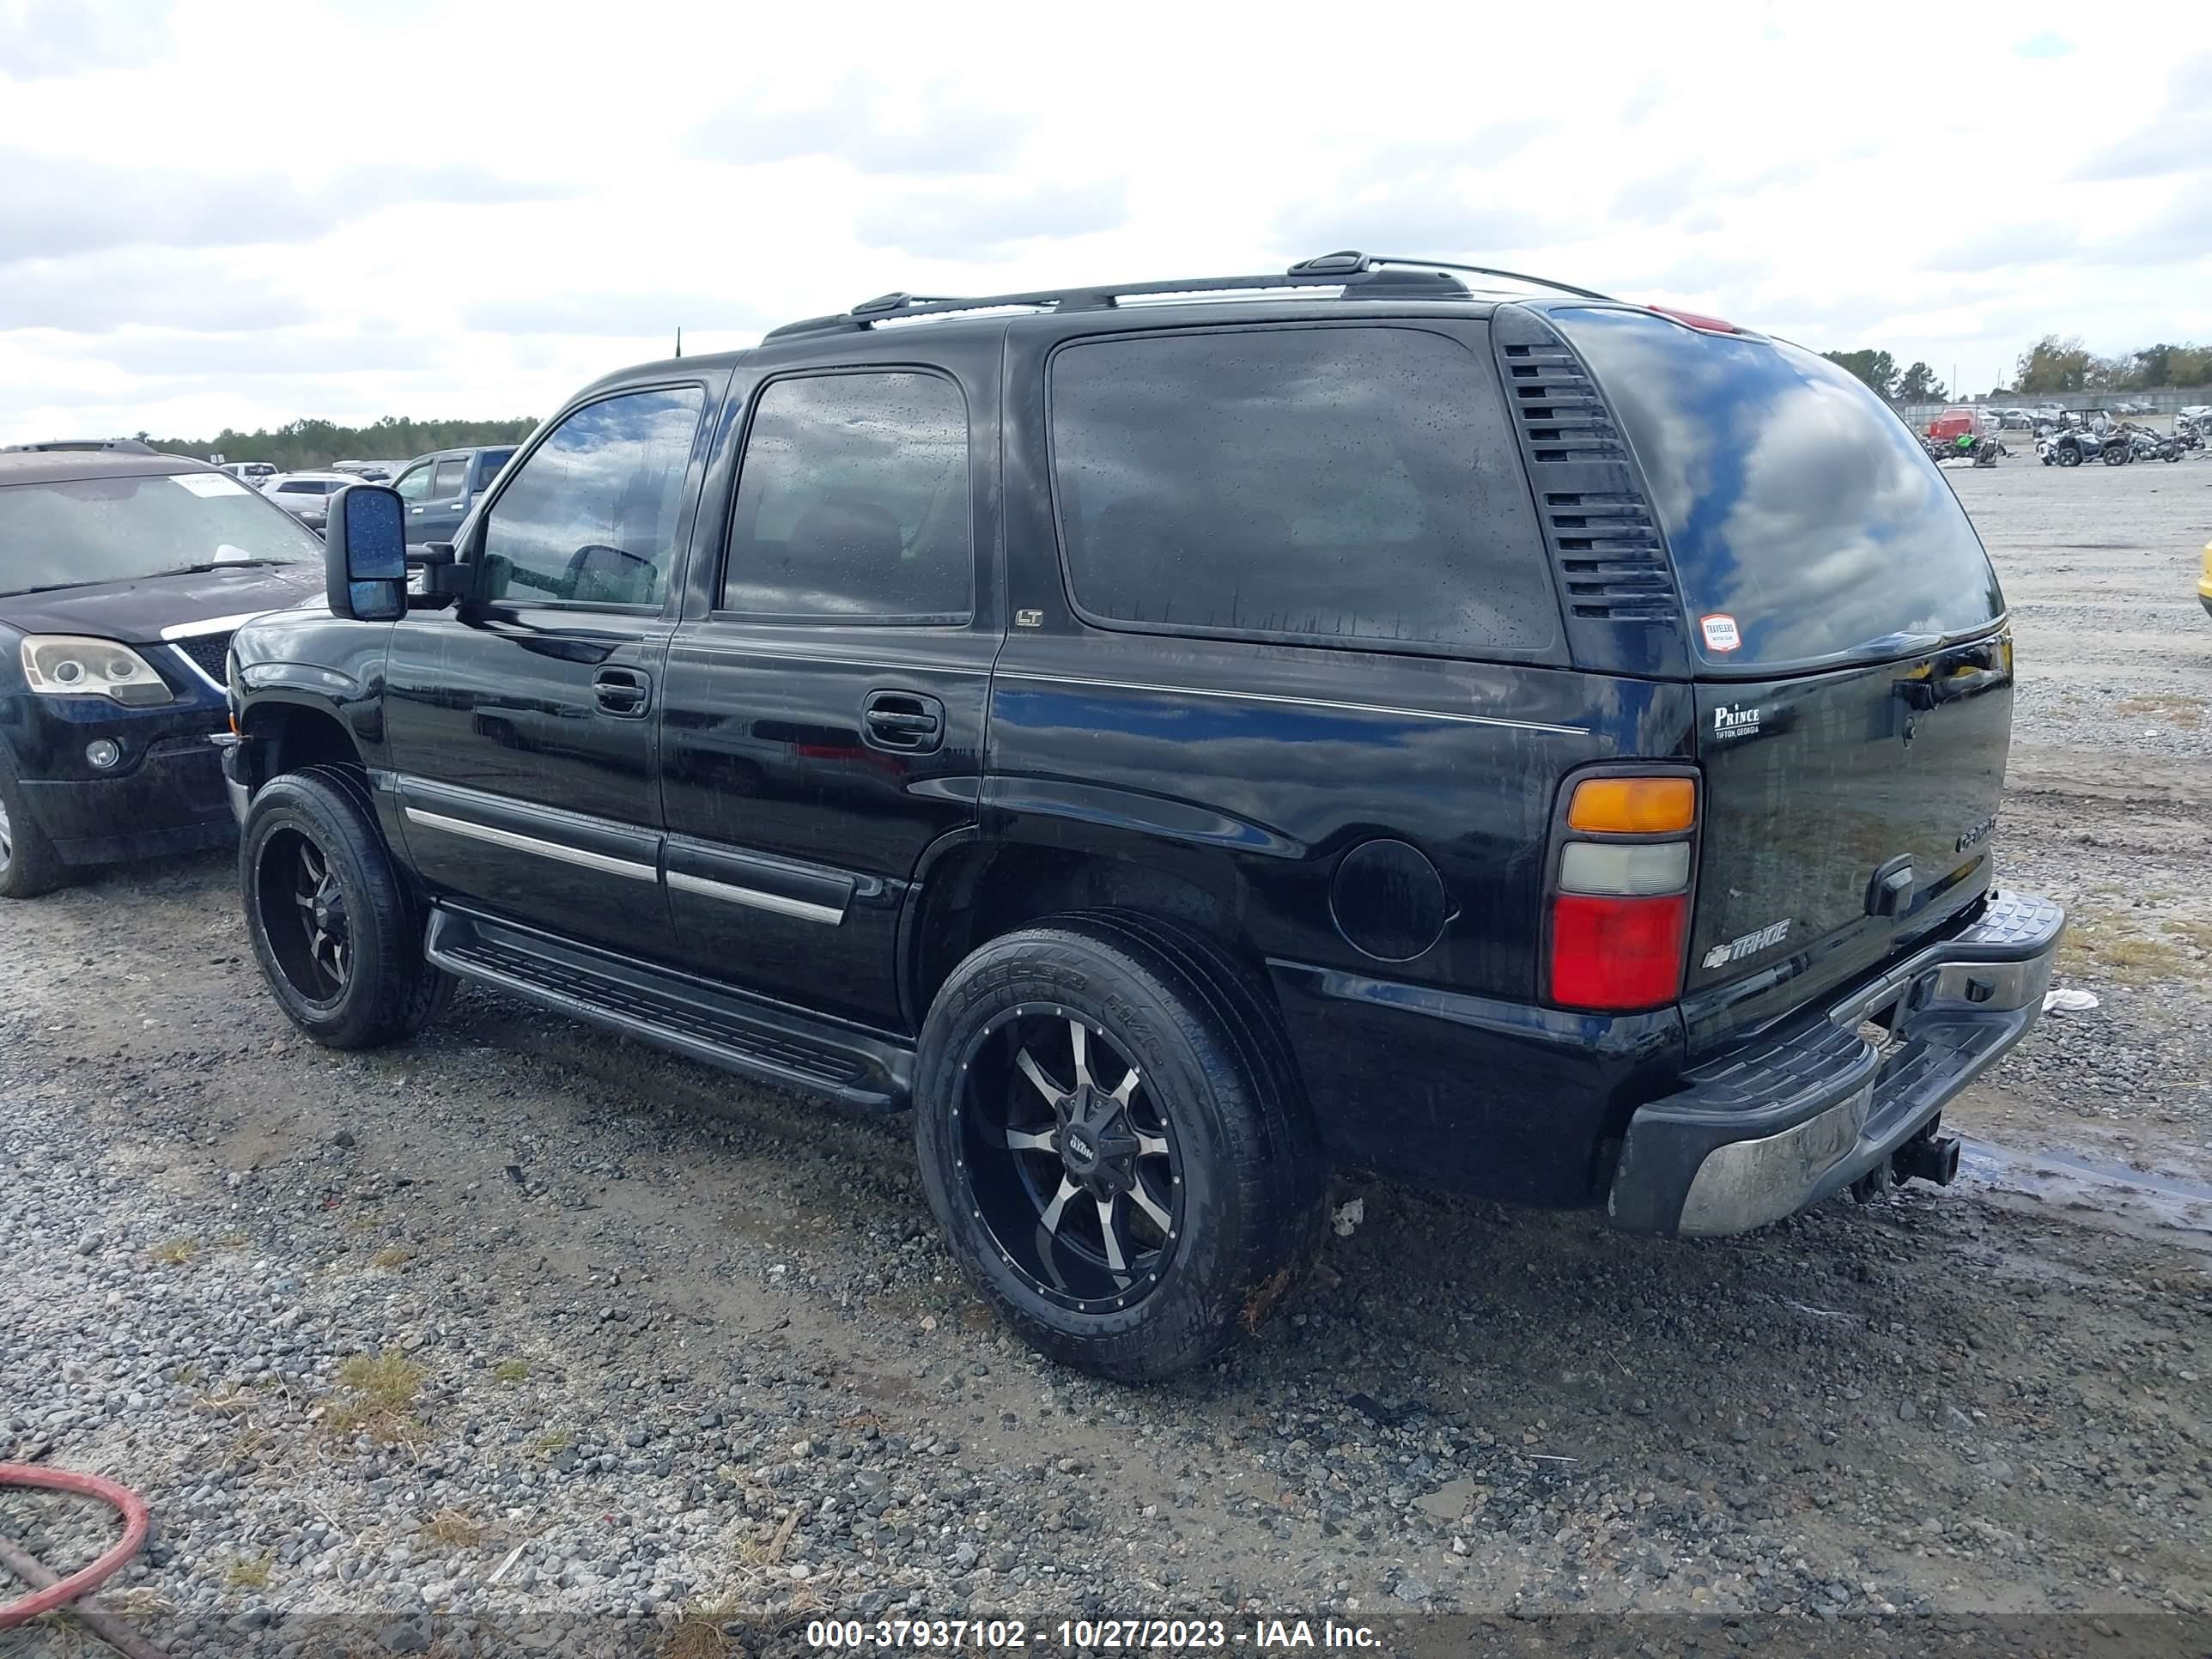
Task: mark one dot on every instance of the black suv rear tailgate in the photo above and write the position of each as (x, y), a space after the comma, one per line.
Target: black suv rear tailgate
(1846, 635)
(1848, 815)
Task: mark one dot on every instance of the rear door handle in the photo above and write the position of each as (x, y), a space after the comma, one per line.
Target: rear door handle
(904, 720)
(625, 693)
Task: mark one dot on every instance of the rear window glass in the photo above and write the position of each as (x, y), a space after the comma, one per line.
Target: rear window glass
(1796, 507)
(1340, 486)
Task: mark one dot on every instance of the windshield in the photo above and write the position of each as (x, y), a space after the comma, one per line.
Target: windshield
(1805, 522)
(80, 531)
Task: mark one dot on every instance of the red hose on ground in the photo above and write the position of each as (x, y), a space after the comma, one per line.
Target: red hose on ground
(85, 1579)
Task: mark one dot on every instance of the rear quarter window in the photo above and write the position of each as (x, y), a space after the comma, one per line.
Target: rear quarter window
(1794, 502)
(1351, 485)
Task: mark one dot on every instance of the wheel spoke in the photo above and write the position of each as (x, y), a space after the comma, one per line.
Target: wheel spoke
(1030, 1140)
(1077, 1040)
(1050, 1219)
(1109, 1228)
(1153, 1213)
(1026, 1064)
(1151, 1146)
(1126, 1087)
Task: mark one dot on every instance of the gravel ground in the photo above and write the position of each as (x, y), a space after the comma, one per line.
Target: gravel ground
(523, 1329)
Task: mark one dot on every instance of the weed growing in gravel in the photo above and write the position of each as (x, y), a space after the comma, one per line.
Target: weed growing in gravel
(390, 1257)
(248, 1574)
(2182, 711)
(555, 1438)
(2131, 952)
(455, 1530)
(698, 1634)
(175, 1252)
(509, 1371)
(383, 1386)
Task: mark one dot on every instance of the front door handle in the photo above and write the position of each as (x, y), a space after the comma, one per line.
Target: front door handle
(625, 693)
(904, 720)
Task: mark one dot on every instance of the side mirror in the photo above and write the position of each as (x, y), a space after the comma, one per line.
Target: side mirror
(365, 554)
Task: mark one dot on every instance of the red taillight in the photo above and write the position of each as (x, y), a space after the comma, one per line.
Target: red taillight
(1617, 954)
(1692, 320)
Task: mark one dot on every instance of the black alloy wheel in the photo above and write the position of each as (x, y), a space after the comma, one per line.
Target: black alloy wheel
(1115, 1139)
(337, 932)
(1069, 1158)
(303, 912)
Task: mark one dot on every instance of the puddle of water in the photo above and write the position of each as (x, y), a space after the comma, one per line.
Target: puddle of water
(2174, 1202)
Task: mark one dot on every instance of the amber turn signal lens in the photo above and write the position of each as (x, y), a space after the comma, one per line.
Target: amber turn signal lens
(1633, 806)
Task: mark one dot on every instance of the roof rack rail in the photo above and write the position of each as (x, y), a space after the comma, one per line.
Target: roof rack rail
(1361, 276)
(119, 446)
(1350, 260)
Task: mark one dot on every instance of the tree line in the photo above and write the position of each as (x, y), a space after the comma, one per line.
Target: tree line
(303, 446)
(2052, 364)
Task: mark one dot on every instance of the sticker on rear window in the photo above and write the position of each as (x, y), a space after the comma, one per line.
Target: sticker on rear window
(1720, 631)
(208, 483)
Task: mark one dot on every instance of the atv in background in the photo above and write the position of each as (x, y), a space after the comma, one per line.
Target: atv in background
(2075, 445)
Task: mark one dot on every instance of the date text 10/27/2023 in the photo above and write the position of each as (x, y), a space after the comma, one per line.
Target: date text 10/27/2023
(1129, 1635)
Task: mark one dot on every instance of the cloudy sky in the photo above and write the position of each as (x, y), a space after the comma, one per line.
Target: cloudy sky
(220, 212)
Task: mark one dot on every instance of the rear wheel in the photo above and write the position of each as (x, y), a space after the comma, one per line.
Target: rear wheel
(29, 864)
(1114, 1142)
(338, 934)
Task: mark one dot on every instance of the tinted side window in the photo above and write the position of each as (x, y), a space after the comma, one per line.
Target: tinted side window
(853, 501)
(1339, 485)
(414, 485)
(453, 478)
(591, 518)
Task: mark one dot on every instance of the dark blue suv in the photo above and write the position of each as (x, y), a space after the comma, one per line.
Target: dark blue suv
(1174, 736)
(123, 574)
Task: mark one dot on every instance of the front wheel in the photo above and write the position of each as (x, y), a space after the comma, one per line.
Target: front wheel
(29, 863)
(338, 934)
(1114, 1141)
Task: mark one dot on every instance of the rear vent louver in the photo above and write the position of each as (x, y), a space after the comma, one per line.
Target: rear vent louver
(1609, 557)
(1603, 536)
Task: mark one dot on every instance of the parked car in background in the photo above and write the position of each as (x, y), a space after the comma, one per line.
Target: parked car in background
(440, 488)
(368, 472)
(307, 495)
(255, 473)
(1956, 421)
(122, 576)
(1171, 746)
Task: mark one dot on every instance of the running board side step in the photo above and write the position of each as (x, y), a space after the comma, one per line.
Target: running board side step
(672, 1010)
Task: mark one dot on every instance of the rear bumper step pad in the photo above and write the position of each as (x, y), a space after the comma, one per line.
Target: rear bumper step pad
(1798, 1114)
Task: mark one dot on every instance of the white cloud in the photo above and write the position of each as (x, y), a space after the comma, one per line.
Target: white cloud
(232, 211)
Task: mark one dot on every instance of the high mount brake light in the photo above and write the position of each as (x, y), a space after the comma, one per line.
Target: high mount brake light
(1620, 893)
(1704, 324)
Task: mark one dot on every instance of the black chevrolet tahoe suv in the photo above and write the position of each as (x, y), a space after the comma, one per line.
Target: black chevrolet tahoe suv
(1174, 736)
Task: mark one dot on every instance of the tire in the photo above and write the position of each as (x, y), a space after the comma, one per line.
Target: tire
(29, 864)
(1218, 1142)
(337, 932)
(2070, 456)
(2117, 457)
